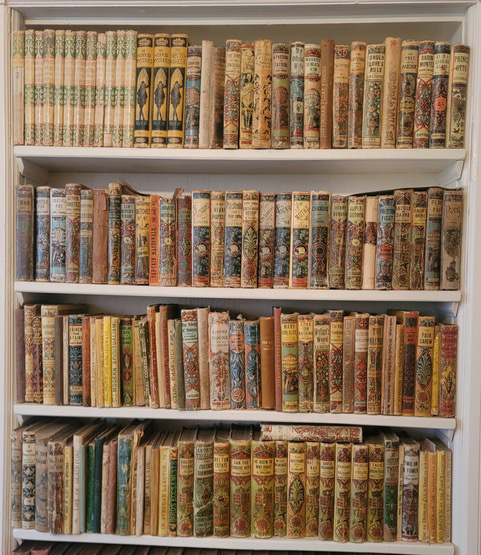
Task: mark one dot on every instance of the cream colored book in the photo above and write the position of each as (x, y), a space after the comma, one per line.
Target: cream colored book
(110, 90)
(49, 87)
(39, 85)
(59, 88)
(164, 484)
(18, 86)
(129, 80)
(369, 246)
(79, 84)
(390, 93)
(119, 107)
(69, 75)
(203, 335)
(100, 89)
(139, 505)
(90, 88)
(205, 89)
(67, 486)
(29, 138)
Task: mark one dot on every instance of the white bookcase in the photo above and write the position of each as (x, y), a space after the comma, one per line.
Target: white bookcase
(341, 171)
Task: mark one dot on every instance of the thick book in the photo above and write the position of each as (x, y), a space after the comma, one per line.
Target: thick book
(262, 488)
(373, 95)
(201, 238)
(355, 225)
(42, 232)
(127, 240)
(432, 255)
(142, 240)
(439, 94)
(451, 240)
(72, 232)
(409, 467)
(203, 499)
(232, 93)
(250, 238)
(86, 236)
(160, 89)
(422, 104)
(114, 236)
(390, 92)
(339, 434)
(262, 110)
(216, 100)
(342, 58)
(240, 482)
(299, 247)
(342, 492)
(312, 89)
(31, 311)
(359, 493)
(321, 362)
(203, 338)
(327, 453)
(296, 95)
(280, 95)
(457, 95)
(167, 254)
(337, 242)
(356, 94)
(296, 490)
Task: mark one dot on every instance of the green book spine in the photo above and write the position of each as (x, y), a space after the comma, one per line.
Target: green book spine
(90, 488)
(127, 350)
(97, 503)
(123, 485)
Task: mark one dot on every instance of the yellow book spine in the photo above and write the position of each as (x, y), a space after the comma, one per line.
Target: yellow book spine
(67, 489)
(164, 483)
(432, 497)
(448, 495)
(423, 520)
(440, 494)
(115, 355)
(107, 381)
(93, 362)
(178, 67)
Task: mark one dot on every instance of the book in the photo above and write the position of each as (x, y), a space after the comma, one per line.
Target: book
(266, 325)
(385, 242)
(342, 492)
(39, 56)
(375, 505)
(18, 82)
(369, 243)
(205, 93)
(175, 126)
(299, 247)
(267, 216)
(142, 239)
(290, 374)
(246, 94)
(237, 364)
(203, 338)
(390, 495)
(217, 224)
(373, 96)
(29, 90)
(240, 482)
(203, 499)
(439, 94)
(407, 93)
(190, 345)
(432, 256)
(114, 234)
(296, 490)
(342, 57)
(99, 236)
(355, 226)
(250, 238)
(262, 488)
(144, 90)
(192, 96)
(221, 483)
(312, 488)
(127, 239)
(422, 105)
(296, 95)
(20, 388)
(233, 239)
(90, 80)
(408, 531)
(100, 72)
(127, 124)
(219, 377)
(280, 95)
(252, 364)
(311, 98)
(348, 356)
(160, 89)
(262, 105)
(403, 200)
(305, 346)
(24, 207)
(447, 370)
(335, 359)
(49, 87)
(282, 240)
(359, 493)
(337, 242)
(374, 364)
(356, 94)
(72, 232)
(167, 233)
(340, 434)
(184, 240)
(390, 92)
(388, 365)
(451, 236)
(326, 92)
(280, 488)
(276, 311)
(424, 366)
(201, 238)
(321, 362)
(86, 236)
(318, 239)
(457, 94)
(418, 239)
(110, 94)
(232, 93)
(216, 100)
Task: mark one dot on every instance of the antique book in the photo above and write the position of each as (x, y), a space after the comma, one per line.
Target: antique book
(160, 89)
(326, 490)
(49, 87)
(221, 483)
(86, 236)
(31, 312)
(216, 100)
(240, 482)
(373, 95)
(457, 95)
(70, 91)
(262, 105)
(385, 242)
(203, 338)
(100, 88)
(250, 238)
(424, 83)
(369, 243)
(79, 84)
(337, 242)
(127, 239)
(266, 325)
(312, 89)
(158, 375)
(390, 92)
(418, 239)
(290, 374)
(280, 488)
(342, 57)
(142, 239)
(424, 366)
(246, 94)
(427, 447)
(432, 256)
(203, 501)
(107, 368)
(439, 94)
(277, 311)
(167, 252)
(39, 46)
(299, 247)
(192, 96)
(403, 199)
(280, 95)
(390, 494)
(374, 364)
(296, 95)
(25, 209)
(16, 476)
(58, 234)
(205, 93)
(388, 365)
(342, 492)
(173, 486)
(90, 79)
(217, 225)
(144, 90)
(282, 240)
(154, 242)
(335, 359)
(326, 93)
(175, 126)
(233, 239)
(312, 488)
(355, 225)
(305, 346)
(184, 240)
(100, 236)
(219, 374)
(444, 453)
(201, 238)
(176, 378)
(348, 357)
(262, 487)
(127, 124)
(72, 232)
(451, 237)
(232, 93)
(407, 93)
(359, 493)
(179, 365)
(20, 352)
(110, 94)
(185, 482)
(75, 356)
(296, 490)
(114, 233)
(447, 371)
(29, 91)
(38, 361)
(321, 362)
(408, 530)
(318, 239)
(267, 217)
(409, 320)
(332, 434)
(237, 364)
(18, 82)
(42, 230)
(190, 345)
(375, 505)
(436, 371)
(252, 364)
(356, 94)
(126, 349)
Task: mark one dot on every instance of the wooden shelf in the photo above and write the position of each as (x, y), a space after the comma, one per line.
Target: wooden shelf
(307, 544)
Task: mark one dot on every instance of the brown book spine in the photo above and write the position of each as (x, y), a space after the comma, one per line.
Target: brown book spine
(342, 492)
(369, 243)
(280, 95)
(280, 489)
(389, 103)
(312, 488)
(439, 94)
(240, 488)
(374, 364)
(326, 490)
(403, 199)
(152, 355)
(38, 362)
(422, 105)
(86, 397)
(361, 341)
(100, 234)
(267, 362)
(217, 230)
(457, 95)
(261, 117)
(354, 241)
(451, 237)
(55, 487)
(312, 88)
(448, 368)
(418, 239)
(216, 104)
(375, 503)
(335, 360)
(185, 488)
(407, 93)
(296, 490)
(337, 242)
(326, 99)
(359, 488)
(356, 94)
(305, 341)
(348, 364)
(321, 362)
(20, 351)
(342, 57)
(277, 358)
(221, 489)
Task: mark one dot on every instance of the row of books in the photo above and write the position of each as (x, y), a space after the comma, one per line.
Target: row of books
(400, 363)
(240, 482)
(120, 88)
(410, 239)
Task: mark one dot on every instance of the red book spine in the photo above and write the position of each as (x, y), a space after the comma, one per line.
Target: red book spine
(154, 382)
(278, 357)
(447, 381)
(154, 240)
(409, 363)
(86, 398)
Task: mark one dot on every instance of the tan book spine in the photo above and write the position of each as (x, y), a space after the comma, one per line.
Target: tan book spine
(79, 83)
(375, 503)
(326, 490)
(216, 100)
(240, 488)
(451, 240)
(217, 230)
(388, 365)
(93, 362)
(130, 90)
(407, 93)
(321, 362)
(39, 86)
(448, 496)
(219, 375)
(261, 117)
(457, 95)
(312, 488)
(305, 342)
(369, 243)
(440, 494)
(327, 88)
(49, 87)
(424, 83)
(139, 398)
(105, 480)
(164, 482)
(356, 94)
(280, 489)
(232, 93)
(203, 338)
(178, 67)
(29, 130)
(280, 95)
(262, 488)
(373, 94)
(348, 354)
(354, 241)
(296, 490)
(431, 496)
(110, 90)
(335, 360)
(100, 89)
(359, 490)
(67, 489)
(390, 92)
(342, 492)
(267, 362)
(312, 89)
(423, 522)
(342, 58)
(250, 235)
(205, 92)
(246, 95)
(90, 88)
(119, 107)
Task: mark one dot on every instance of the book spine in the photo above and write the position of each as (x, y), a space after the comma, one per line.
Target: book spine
(409, 363)
(296, 490)
(130, 89)
(190, 345)
(252, 364)
(110, 95)
(451, 236)
(16, 479)
(39, 86)
(86, 362)
(142, 236)
(369, 243)
(326, 92)
(373, 95)
(143, 87)
(318, 239)
(156, 381)
(219, 360)
(337, 242)
(299, 247)
(127, 240)
(321, 363)
(100, 89)
(233, 239)
(90, 79)
(41, 486)
(436, 371)
(160, 89)
(18, 82)
(124, 460)
(90, 479)
(201, 238)
(38, 361)
(409, 495)
(448, 496)
(402, 238)
(448, 368)
(221, 489)
(240, 488)
(374, 364)
(342, 59)
(290, 375)
(167, 253)
(262, 112)
(457, 95)
(305, 346)
(79, 83)
(250, 238)
(262, 489)
(326, 490)
(20, 352)
(267, 216)
(216, 104)
(70, 90)
(30, 312)
(385, 242)
(335, 360)
(237, 364)
(75, 359)
(439, 94)
(312, 489)
(341, 434)
(59, 87)
(24, 208)
(203, 335)
(296, 96)
(246, 95)
(232, 93)
(390, 92)
(280, 95)
(119, 107)
(174, 469)
(72, 232)
(58, 234)
(29, 130)
(280, 488)
(49, 87)
(418, 239)
(177, 390)
(55, 487)
(114, 233)
(312, 89)
(217, 205)
(407, 93)
(107, 368)
(388, 365)
(356, 94)
(175, 126)
(432, 255)
(440, 494)
(179, 365)
(348, 365)
(398, 369)
(423, 518)
(282, 240)
(277, 358)
(375, 504)
(192, 96)
(100, 232)
(267, 362)
(29, 455)
(342, 492)
(391, 470)
(205, 93)
(203, 500)
(86, 236)
(424, 84)
(184, 241)
(354, 241)
(359, 493)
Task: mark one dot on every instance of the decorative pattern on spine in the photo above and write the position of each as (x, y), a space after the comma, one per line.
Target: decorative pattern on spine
(49, 87)
(252, 364)
(342, 57)
(75, 359)
(167, 254)
(30, 312)
(237, 364)
(326, 490)
(216, 106)
(90, 79)
(335, 359)
(407, 93)
(100, 89)
(79, 83)
(312, 489)
(296, 96)
(418, 239)
(300, 213)
(160, 90)
(114, 235)
(58, 215)
(296, 490)
(356, 94)
(424, 366)
(373, 93)
(375, 507)
(86, 236)
(374, 364)
(240, 486)
(142, 237)
(221, 485)
(359, 487)
(410, 491)
(39, 53)
(24, 209)
(192, 97)
(184, 240)
(246, 95)
(217, 223)
(307, 432)
(424, 85)
(233, 239)
(361, 335)
(337, 242)
(250, 238)
(143, 115)
(280, 489)
(262, 488)
(261, 116)
(403, 199)
(432, 256)
(48, 313)
(305, 361)
(348, 364)
(29, 135)
(201, 238)
(232, 93)
(70, 92)
(59, 85)
(185, 487)
(312, 95)
(342, 492)
(72, 246)
(447, 371)
(327, 88)
(369, 243)
(457, 95)
(204, 485)
(130, 90)
(175, 132)
(283, 239)
(321, 362)
(290, 375)
(18, 85)
(205, 93)
(385, 242)
(219, 360)
(389, 103)
(354, 241)
(391, 472)
(190, 347)
(127, 353)
(452, 230)
(280, 95)
(127, 239)
(267, 220)
(439, 94)
(318, 239)
(410, 321)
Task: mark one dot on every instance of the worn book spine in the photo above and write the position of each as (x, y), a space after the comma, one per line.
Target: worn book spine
(203, 334)
(312, 489)
(179, 364)
(114, 235)
(369, 243)
(177, 389)
(25, 209)
(276, 311)
(280, 95)
(100, 89)
(409, 362)
(127, 239)
(262, 488)
(457, 95)
(20, 355)
(318, 239)
(49, 87)
(240, 488)
(216, 100)
(221, 489)
(55, 487)
(72, 235)
(262, 109)
(156, 377)
(359, 492)
(390, 495)
(219, 360)
(174, 470)
(38, 362)
(409, 494)
(90, 79)
(75, 360)
(18, 82)
(356, 94)
(28, 331)
(29, 129)
(163, 485)
(252, 364)
(39, 86)
(250, 238)
(160, 89)
(86, 236)
(447, 532)
(424, 83)
(232, 93)
(385, 242)
(127, 130)
(418, 239)
(41, 485)
(337, 242)
(107, 367)
(355, 226)
(398, 369)
(424, 366)
(336, 329)
(29, 454)
(237, 364)
(375, 503)
(447, 371)
(154, 240)
(142, 235)
(203, 500)
(440, 503)
(233, 239)
(326, 92)
(217, 225)
(201, 238)
(267, 217)
(290, 374)
(282, 240)
(16, 477)
(374, 364)
(390, 92)
(451, 239)
(342, 492)
(79, 84)
(280, 488)
(58, 214)
(296, 490)
(407, 93)
(403, 199)
(432, 256)
(373, 94)
(436, 371)
(59, 87)
(144, 89)
(341, 434)
(299, 248)
(439, 94)
(321, 363)
(312, 89)
(326, 490)
(296, 95)
(70, 91)
(184, 241)
(175, 127)
(185, 488)
(348, 364)
(192, 96)
(42, 232)
(205, 93)
(388, 365)
(167, 270)
(246, 94)
(267, 362)
(99, 240)
(190, 346)
(340, 111)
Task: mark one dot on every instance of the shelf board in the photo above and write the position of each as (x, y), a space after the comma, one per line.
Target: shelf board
(27, 409)
(444, 162)
(306, 544)
(236, 293)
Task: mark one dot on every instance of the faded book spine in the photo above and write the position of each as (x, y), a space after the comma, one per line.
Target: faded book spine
(39, 85)
(280, 95)
(29, 453)
(341, 434)
(337, 242)
(90, 78)
(16, 479)
(374, 364)
(190, 348)
(389, 102)
(240, 488)
(237, 364)
(167, 254)
(250, 238)
(201, 238)
(219, 360)
(375, 503)
(327, 89)
(403, 199)
(42, 233)
(359, 492)
(296, 96)
(86, 236)
(184, 241)
(59, 87)
(49, 87)
(217, 224)
(38, 360)
(280, 489)
(369, 243)
(160, 90)
(246, 95)
(407, 93)
(340, 111)
(282, 240)
(203, 500)
(205, 93)
(72, 238)
(373, 94)
(326, 490)
(19, 355)
(447, 371)
(127, 239)
(79, 83)
(262, 112)
(321, 362)
(457, 95)
(114, 234)
(175, 126)
(299, 263)
(318, 239)
(221, 489)
(216, 105)
(232, 93)
(185, 488)
(385, 242)
(451, 237)
(290, 375)
(130, 90)
(29, 91)
(439, 94)
(142, 237)
(398, 369)
(354, 241)
(296, 490)
(262, 489)
(58, 215)
(100, 89)
(348, 364)
(436, 371)
(432, 256)
(305, 362)
(388, 365)
(252, 364)
(391, 472)
(424, 366)
(409, 493)
(267, 226)
(28, 331)
(336, 340)
(24, 207)
(424, 84)
(312, 488)
(233, 239)
(418, 239)
(342, 492)
(312, 88)
(143, 86)
(356, 94)
(18, 81)
(70, 90)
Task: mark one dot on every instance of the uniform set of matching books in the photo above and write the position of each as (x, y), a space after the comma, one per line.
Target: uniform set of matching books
(301, 481)
(123, 88)
(401, 363)
(410, 239)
